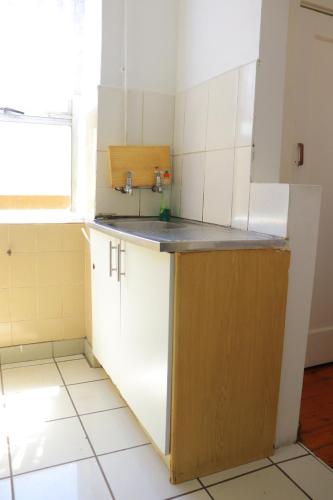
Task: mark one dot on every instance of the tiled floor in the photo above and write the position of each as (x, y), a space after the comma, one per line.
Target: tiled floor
(66, 434)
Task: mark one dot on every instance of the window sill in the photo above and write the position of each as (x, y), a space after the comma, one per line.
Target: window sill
(39, 217)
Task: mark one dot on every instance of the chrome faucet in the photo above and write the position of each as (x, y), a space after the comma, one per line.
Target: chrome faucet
(157, 187)
(128, 188)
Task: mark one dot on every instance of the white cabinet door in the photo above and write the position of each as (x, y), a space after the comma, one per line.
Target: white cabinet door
(146, 324)
(105, 301)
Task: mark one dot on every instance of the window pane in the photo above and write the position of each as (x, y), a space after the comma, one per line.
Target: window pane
(40, 52)
(35, 159)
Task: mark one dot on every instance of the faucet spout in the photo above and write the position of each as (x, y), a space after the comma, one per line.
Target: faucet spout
(157, 187)
(128, 188)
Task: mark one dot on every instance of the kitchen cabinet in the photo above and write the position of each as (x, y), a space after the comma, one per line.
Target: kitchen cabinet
(105, 301)
(132, 320)
(200, 351)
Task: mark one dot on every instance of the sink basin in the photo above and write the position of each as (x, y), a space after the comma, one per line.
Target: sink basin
(151, 226)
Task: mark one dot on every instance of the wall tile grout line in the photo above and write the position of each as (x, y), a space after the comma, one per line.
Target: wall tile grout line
(87, 437)
(8, 442)
(290, 479)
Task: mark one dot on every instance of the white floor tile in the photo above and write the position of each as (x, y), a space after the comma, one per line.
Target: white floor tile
(6, 366)
(4, 463)
(31, 377)
(312, 476)
(95, 396)
(77, 371)
(47, 444)
(5, 490)
(287, 452)
(265, 484)
(76, 481)
(141, 474)
(198, 495)
(235, 471)
(38, 405)
(113, 430)
(69, 358)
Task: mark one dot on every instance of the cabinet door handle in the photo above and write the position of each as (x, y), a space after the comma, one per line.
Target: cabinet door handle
(300, 160)
(120, 251)
(110, 262)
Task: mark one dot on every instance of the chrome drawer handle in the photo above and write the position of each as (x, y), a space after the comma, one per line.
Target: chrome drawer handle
(111, 267)
(120, 251)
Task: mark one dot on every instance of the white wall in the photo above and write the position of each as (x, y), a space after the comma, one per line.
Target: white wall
(150, 52)
(151, 44)
(214, 37)
(270, 90)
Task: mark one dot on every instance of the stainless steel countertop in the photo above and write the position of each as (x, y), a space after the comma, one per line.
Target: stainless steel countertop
(182, 235)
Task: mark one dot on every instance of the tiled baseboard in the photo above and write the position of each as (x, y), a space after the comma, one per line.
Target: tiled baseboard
(90, 355)
(42, 350)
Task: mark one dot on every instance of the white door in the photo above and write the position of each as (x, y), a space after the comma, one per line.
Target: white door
(146, 324)
(105, 301)
(314, 128)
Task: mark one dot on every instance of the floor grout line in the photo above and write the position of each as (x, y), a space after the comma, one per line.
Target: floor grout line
(53, 466)
(7, 441)
(291, 479)
(235, 477)
(122, 449)
(310, 452)
(205, 488)
(87, 437)
(294, 482)
(184, 494)
(87, 381)
(290, 459)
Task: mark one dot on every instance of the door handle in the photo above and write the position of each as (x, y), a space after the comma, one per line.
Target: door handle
(120, 251)
(300, 149)
(110, 262)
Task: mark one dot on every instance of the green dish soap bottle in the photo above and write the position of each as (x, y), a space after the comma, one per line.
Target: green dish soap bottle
(165, 211)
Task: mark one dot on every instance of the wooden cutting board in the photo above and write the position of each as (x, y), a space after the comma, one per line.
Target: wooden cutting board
(140, 160)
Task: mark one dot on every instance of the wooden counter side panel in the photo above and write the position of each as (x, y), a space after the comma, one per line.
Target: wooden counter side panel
(228, 339)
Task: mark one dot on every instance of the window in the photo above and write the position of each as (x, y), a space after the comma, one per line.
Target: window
(41, 45)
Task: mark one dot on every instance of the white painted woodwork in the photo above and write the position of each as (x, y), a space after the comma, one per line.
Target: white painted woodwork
(313, 126)
(303, 223)
(105, 303)
(146, 324)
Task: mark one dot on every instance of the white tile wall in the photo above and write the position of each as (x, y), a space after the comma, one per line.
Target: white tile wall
(158, 118)
(150, 119)
(176, 186)
(215, 118)
(222, 111)
(219, 171)
(241, 188)
(245, 113)
(110, 122)
(134, 117)
(193, 174)
(178, 137)
(210, 129)
(195, 119)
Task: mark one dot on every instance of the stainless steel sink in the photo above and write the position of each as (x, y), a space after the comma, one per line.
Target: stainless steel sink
(151, 226)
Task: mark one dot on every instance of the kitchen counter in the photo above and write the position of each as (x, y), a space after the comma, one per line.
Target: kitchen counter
(182, 235)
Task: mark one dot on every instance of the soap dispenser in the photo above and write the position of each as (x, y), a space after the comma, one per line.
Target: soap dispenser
(165, 197)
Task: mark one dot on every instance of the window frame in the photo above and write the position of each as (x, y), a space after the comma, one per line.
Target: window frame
(26, 202)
